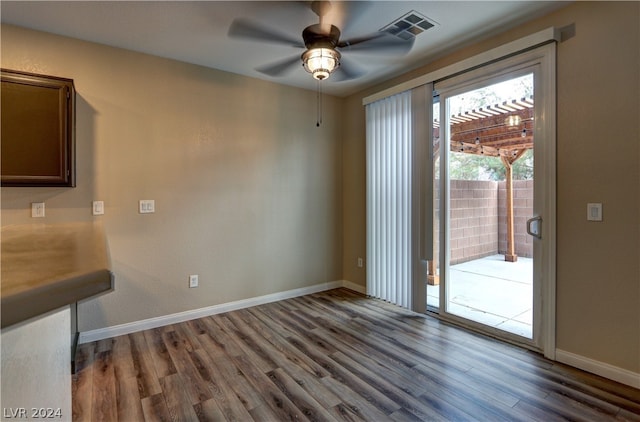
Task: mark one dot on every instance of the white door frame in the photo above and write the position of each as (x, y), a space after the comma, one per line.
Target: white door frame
(541, 61)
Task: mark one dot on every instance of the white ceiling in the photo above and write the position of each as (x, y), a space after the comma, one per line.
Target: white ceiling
(196, 31)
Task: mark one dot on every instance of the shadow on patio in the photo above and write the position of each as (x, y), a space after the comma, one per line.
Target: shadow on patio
(491, 291)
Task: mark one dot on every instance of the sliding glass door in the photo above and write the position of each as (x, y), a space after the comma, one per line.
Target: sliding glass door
(490, 164)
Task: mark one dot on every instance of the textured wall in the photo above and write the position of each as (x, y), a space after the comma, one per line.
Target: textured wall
(248, 192)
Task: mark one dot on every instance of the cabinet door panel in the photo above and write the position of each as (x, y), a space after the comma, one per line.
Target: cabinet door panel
(37, 130)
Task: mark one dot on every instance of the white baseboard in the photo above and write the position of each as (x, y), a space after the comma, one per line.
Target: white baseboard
(606, 370)
(355, 287)
(146, 324)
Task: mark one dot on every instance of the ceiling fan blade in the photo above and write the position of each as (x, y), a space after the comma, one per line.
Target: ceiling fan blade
(377, 43)
(243, 28)
(347, 71)
(280, 68)
(345, 13)
(321, 7)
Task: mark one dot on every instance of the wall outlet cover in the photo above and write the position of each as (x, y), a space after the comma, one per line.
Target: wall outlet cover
(147, 206)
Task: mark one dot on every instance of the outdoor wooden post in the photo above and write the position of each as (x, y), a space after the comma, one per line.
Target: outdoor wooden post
(510, 254)
(432, 278)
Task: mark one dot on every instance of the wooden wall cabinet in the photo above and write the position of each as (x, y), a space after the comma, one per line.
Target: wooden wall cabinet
(38, 130)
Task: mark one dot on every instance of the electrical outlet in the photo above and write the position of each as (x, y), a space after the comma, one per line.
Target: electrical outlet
(147, 206)
(193, 280)
(98, 207)
(37, 209)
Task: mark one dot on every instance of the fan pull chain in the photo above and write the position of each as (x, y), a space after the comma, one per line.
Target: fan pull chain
(319, 105)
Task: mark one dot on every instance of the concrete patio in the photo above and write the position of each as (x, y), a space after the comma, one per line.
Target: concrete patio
(493, 292)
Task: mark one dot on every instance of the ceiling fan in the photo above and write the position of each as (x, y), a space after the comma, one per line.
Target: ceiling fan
(323, 46)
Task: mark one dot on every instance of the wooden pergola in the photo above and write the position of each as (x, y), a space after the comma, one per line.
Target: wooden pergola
(502, 130)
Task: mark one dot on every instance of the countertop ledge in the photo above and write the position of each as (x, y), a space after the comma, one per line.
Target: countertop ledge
(48, 266)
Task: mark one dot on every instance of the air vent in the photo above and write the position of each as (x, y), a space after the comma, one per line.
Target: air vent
(409, 26)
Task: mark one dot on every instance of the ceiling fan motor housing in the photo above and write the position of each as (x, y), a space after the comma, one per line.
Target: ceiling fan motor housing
(321, 57)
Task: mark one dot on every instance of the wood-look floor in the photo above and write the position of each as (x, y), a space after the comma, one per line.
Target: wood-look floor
(331, 356)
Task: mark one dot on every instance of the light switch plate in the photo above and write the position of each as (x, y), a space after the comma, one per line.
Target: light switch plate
(98, 207)
(37, 209)
(594, 212)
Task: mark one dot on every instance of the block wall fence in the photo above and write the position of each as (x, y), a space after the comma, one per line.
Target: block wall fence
(479, 218)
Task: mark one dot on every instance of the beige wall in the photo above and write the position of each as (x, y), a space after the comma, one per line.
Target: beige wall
(598, 160)
(247, 188)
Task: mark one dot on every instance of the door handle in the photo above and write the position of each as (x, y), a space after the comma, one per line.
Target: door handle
(535, 221)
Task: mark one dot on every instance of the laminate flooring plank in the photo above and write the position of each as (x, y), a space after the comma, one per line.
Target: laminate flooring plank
(197, 326)
(209, 411)
(453, 351)
(104, 389)
(431, 351)
(177, 399)
(278, 339)
(626, 415)
(385, 386)
(283, 357)
(403, 415)
(230, 406)
(247, 339)
(159, 354)
(611, 393)
(373, 342)
(227, 374)
(299, 397)
(369, 362)
(263, 413)
(104, 345)
(180, 346)
(370, 394)
(121, 357)
(219, 334)
(316, 305)
(299, 322)
(343, 413)
(287, 327)
(600, 385)
(440, 408)
(364, 407)
(82, 383)
(538, 412)
(484, 388)
(155, 409)
(472, 402)
(583, 409)
(286, 319)
(148, 384)
(128, 401)
(256, 324)
(274, 398)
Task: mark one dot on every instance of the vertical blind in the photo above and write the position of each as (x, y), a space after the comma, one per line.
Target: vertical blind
(399, 196)
(389, 199)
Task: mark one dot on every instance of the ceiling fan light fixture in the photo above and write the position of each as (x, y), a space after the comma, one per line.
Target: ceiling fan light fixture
(320, 62)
